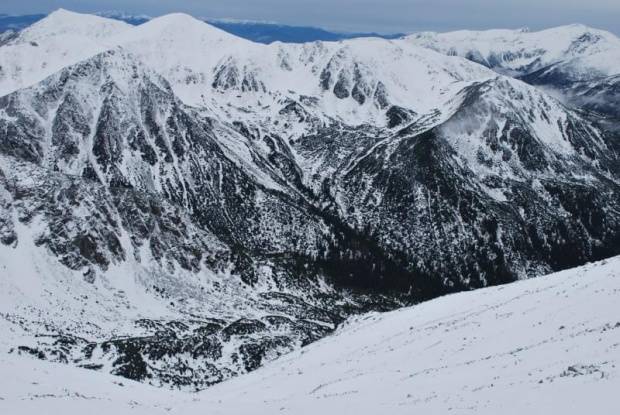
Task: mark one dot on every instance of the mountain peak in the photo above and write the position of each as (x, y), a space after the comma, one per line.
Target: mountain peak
(185, 22)
(61, 13)
(65, 22)
(68, 17)
(578, 26)
(178, 18)
(575, 30)
(181, 26)
(60, 39)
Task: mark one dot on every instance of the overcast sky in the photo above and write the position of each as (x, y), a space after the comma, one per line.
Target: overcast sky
(363, 15)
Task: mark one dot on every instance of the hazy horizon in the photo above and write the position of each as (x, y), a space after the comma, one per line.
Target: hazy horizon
(387, 16)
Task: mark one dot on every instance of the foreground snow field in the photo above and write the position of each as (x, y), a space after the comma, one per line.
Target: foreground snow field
(549, 345)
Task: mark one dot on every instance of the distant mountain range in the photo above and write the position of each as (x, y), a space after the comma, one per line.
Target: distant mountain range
(16, 23)
(261, 32)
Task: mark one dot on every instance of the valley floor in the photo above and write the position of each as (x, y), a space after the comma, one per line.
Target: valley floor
(549, 345)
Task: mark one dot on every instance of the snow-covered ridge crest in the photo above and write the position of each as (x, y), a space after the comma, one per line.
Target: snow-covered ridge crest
(356, 81)
(189, 53)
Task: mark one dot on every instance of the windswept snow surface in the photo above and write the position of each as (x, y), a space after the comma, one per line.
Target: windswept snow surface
(549, 345)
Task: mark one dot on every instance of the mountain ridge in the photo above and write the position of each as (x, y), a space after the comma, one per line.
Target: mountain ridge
(575, 63)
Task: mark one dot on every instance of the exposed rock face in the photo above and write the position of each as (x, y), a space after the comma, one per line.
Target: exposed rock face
(98, 230)
(181, 245)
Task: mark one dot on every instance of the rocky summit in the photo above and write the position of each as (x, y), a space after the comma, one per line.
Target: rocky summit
(179, 205)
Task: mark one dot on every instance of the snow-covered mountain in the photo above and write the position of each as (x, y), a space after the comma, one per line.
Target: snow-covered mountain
(51, 44)
(579, 64)
(546, 345)
(521, 52)
(179, 205)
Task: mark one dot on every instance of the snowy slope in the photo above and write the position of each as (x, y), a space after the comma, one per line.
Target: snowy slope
(500, 350)
(547, 345)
